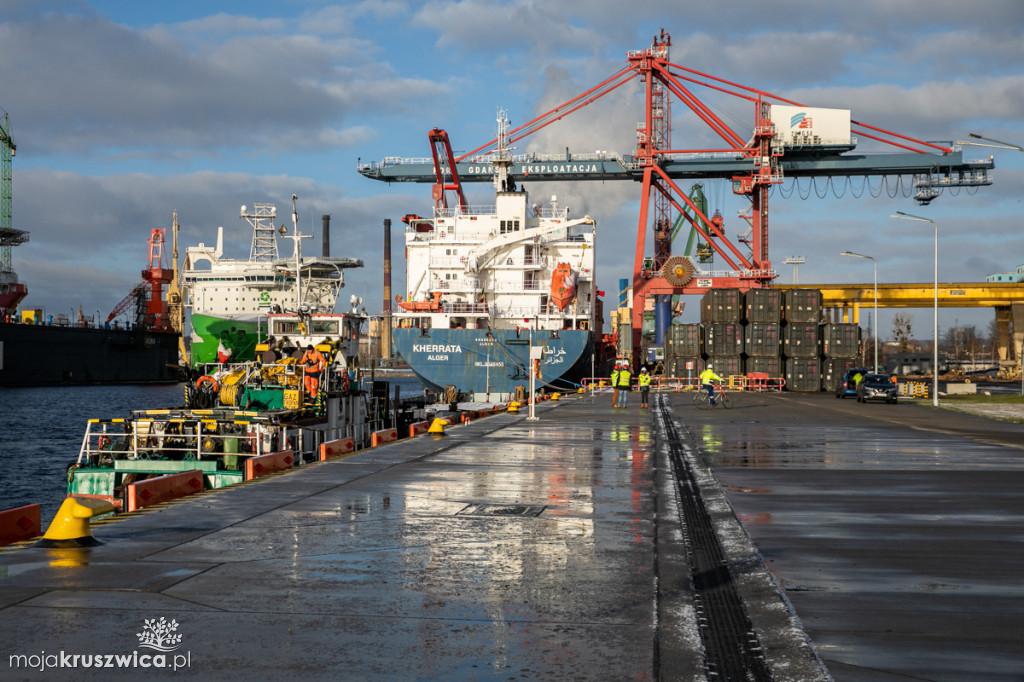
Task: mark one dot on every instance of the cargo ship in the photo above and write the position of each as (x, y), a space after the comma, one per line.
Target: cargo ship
(229, 299)
(38, 349)
(489, 288)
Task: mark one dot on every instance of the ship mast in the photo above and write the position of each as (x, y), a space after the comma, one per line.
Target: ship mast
(296, 250)
(501, 159)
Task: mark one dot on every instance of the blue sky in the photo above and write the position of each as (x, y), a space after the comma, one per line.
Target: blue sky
(125, 111)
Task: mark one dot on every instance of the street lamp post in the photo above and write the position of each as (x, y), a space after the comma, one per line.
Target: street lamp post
(900, 215)
(874, 263)
(999, 144)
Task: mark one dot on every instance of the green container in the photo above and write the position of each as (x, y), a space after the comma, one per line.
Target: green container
(231, 445)
(223, 479)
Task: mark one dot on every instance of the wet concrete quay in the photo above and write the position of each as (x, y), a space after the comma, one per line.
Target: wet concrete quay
(867, 542)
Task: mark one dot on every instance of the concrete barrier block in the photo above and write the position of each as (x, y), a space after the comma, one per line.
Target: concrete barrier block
(337, 448)
(162, 489)
(383, 436)
(20, 523)
(269, 463)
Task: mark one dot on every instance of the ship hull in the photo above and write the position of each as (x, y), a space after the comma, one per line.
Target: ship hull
(476, 363)
(240, 336)
(43, 355)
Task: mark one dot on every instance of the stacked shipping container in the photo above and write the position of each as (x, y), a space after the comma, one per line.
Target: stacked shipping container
(840, 345)
(721, 311)
(765, 331)
(683, 347)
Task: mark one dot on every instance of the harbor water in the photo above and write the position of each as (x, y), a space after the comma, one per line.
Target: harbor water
(41, 432)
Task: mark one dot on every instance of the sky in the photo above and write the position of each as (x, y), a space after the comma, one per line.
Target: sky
(126, 111)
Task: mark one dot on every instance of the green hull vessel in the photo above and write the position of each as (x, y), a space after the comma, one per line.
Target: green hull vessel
(230, 299)
(238, 336)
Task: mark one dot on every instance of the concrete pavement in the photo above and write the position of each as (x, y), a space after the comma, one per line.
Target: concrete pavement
(511, 549)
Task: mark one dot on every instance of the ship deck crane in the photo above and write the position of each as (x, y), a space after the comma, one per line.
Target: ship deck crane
(753, 165)
(445, 167)
(176, 294)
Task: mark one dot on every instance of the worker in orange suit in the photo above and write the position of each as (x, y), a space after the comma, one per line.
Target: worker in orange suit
(313, 363)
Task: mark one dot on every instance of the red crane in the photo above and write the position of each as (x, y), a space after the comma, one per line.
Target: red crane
(753, 165)
(444, 164)
(147, 297)
(663, 80)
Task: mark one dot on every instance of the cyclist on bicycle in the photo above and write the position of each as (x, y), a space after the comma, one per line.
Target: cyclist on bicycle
(707, 379)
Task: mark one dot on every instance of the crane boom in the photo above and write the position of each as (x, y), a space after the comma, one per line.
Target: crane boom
(786, 140)
(129, 301)
(444, 164)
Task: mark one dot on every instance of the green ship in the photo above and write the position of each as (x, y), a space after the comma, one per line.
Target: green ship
(229, 298)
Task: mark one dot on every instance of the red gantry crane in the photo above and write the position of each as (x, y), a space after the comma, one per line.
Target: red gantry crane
(787, 140)
(147, 297)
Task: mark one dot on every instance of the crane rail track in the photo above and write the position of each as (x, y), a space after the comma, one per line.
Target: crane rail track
(732, 650)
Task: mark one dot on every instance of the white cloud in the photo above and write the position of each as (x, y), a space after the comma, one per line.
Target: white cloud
(206, 112)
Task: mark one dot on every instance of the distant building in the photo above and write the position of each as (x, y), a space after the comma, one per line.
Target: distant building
(1012, 277)
(913, 363)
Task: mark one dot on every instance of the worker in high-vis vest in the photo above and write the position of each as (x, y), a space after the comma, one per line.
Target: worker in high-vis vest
(624, 380)
(643, 382)
(615, 385)
(707, 379)
(313, 364)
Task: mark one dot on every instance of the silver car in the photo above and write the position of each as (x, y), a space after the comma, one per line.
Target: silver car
(876, 387)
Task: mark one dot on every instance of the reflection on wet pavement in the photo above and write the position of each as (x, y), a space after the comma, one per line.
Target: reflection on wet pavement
(891, 531)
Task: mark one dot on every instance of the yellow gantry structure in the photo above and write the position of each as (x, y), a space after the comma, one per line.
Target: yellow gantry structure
(845, 302)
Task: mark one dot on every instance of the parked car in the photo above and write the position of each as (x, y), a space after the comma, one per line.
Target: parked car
(876, 387)
(847, 385)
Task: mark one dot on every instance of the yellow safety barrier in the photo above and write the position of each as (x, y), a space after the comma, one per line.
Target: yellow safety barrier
(913, 389)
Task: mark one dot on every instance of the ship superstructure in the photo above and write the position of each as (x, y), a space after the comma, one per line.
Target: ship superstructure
(229, 298)
(482, 281)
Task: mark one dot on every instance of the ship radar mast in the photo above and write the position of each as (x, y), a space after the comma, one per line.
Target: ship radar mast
(501, 159)
(296, 250)
(264, 241)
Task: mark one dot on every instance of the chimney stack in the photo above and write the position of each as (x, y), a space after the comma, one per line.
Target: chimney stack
(385, 337)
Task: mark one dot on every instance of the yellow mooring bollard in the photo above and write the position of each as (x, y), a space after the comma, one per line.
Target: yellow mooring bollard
(437, 426)
(556, 396)
(513, 406)
(70, 527)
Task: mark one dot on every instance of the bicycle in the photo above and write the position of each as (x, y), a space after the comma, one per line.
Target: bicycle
(702, 400)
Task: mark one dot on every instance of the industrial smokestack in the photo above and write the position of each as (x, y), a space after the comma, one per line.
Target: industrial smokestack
(327, 236)
(385, 337)
(387, 265)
